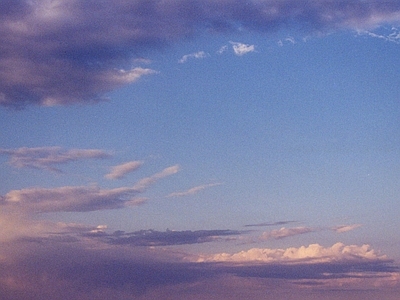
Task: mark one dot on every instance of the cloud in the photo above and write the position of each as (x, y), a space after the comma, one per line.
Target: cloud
(270, 224)
(119, 171)
(393, 36)
(47, 157)
(83, 269)
(145, 182)
(200, 54)
(167, 238)
(64, 52)
(70, 199)
(193, 190)
(286, 232)
(312, 253)
(345, 228)
(242, 49)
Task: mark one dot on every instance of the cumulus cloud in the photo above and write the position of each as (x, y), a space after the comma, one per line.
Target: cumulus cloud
(47, 157)
(85, 270)
(311, 253)
(145, 182)
(242, 49)
(286, 232)
(200, 54)
(119, 171)
(63, 52)
(193, 190)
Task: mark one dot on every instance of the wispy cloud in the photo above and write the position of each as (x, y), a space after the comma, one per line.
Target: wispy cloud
(48, 157)
(393, 36)
(241, 49)
(119, 171)
(346, 228)
(270, 224)
(169, 237)
(86, 53)
(286, 232)
(70, 198)
(193, 190)
(198, 55)
(145, 182)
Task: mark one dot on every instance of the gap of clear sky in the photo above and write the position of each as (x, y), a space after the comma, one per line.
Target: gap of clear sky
(199, 149)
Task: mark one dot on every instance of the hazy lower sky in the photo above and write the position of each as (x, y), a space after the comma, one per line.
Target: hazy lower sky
(196, 149)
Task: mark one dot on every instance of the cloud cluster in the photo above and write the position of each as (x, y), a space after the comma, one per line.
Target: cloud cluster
(48, 157)
(313, 253)
(67, 269)
(63, 52)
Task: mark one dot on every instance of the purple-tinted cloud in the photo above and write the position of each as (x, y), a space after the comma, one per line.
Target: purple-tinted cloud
(286, 232)
(67, 269)
(47, 157)
(169, 237)
(72, 52)
(70, 198)
(270, 224)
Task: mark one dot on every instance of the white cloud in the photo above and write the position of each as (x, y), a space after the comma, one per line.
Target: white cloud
(47, 157)
(313, 253)
(222, 49)
(393, 36)
(242, 49)
(193, 190)
(198, 55)
(145, 182)
(120, 171)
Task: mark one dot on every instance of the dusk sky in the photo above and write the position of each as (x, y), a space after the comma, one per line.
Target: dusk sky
(198, 149)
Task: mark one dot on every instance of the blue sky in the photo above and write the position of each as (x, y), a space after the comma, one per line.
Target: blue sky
(235, 143)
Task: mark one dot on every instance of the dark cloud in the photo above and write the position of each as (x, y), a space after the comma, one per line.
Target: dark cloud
(62, 270)
(63, 52)
(169, 237)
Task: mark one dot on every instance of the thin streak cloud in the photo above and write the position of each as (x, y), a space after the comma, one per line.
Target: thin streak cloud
(193, 190)
(145, 182)
(119, 171)
(47, 158)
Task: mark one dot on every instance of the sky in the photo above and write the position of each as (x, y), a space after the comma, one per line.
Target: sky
(196, 149)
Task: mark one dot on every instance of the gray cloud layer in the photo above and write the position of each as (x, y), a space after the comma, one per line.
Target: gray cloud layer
(63, 52)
